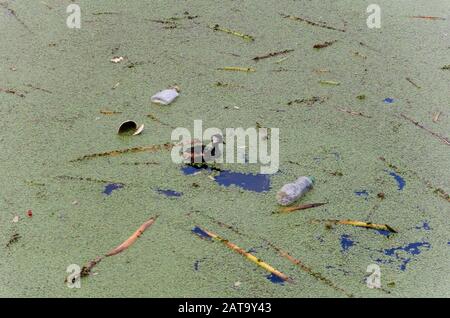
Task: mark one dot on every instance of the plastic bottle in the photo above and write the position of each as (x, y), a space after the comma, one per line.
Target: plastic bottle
(290, 192)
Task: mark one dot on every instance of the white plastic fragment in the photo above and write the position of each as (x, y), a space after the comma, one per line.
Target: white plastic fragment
(290, 192)
(166, 96)
(139, 130)
(117, 59)
(15, 219)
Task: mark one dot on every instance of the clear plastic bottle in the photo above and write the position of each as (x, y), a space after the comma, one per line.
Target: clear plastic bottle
(291, 192)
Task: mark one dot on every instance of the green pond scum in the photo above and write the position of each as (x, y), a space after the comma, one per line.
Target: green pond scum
(366, 128)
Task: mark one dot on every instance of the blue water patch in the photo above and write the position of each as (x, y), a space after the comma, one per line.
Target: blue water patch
(384, 232)
(275, 279)
(412, 249)
(346, 242)
(425, 226)
(201, 233)
(362, 193)
(169, 193)
(189, 170)
(247, 181)
(110, 187)
(388, 100)
(400, 181)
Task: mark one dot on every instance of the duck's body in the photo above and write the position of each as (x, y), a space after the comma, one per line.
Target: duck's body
(202, 153)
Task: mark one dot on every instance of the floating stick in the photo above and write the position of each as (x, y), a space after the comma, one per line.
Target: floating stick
(86, 270)
(329, 83)
(281, 252)
(427, 17)
(128, 242)
(441, 138)
(351, 112)
(247, 255)
(321, 25)
(247, 37)
(237, 69)
(383, 227)
(152, 148)
(289, 209)
(271, 54)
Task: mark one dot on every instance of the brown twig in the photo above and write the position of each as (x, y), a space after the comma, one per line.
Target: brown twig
(128, 242)
(324, 45)
(257, 58)
(11, 91)
(410, 80)
(152, 148)
(351, 112)
(441, 138)
(87, 269)
(300, 207)
(320, 25)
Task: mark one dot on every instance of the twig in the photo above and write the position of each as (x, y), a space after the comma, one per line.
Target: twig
(441, 138)
(308, 101)
(86, 270)
(39, 89)
(410, 80)
(109, 112)
(324, 45)
(10, 91)
(367, 225)
(427, 17)
(351, 112)
(334, 83)
(152, 148)
(14, 14)
(237, 69)
(128, 242)
(217, 27)
(320, 25)
(300, 207)
(257, 58)
(247, 255)
(88, 179)
(284, 254)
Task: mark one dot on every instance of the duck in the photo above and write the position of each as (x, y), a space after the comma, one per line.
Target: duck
(207, 154)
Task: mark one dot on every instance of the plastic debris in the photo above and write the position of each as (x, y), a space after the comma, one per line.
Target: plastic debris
(290, 192)
(15, 219)
(241, 251)
(166, 96)
(30, 213)
(130, 127)
(388, 100)
(117, 59)
(436, 117)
